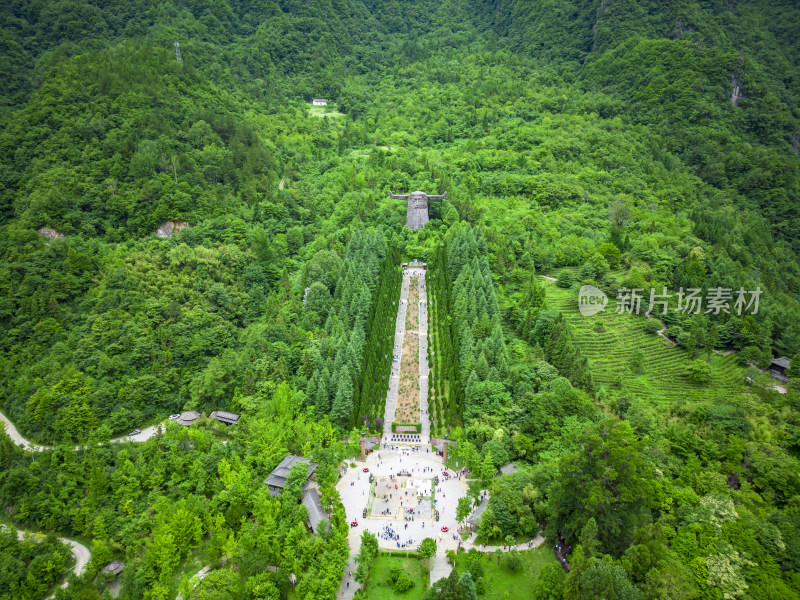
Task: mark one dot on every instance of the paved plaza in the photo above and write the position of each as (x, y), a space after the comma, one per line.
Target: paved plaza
(406, 498)
(416, 492)
(397, 530)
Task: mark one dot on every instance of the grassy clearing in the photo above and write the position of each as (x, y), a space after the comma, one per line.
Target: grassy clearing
(372, 487)
(452, 463)
(324, 111)
(504, 584)
(609, 341)
(189, 567)
(379, 587)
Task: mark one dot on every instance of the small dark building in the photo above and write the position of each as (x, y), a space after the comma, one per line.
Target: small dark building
(114, 567)
(277, 479)
(778, 368)
(189, 417)
(223, 416)
(474, 520)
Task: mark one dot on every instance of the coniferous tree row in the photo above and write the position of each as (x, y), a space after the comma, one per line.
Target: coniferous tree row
(435, 353)
(334, 381)
(534, 300)
(370, 396)
(482, 357)
(446, 357)
(553, 334)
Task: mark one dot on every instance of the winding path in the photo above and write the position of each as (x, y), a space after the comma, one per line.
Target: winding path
(16, 437)
(145, 434)
(82, 557)
(79, 551)
(663, 331)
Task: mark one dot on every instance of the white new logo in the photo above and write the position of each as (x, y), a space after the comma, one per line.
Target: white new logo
(591, 300)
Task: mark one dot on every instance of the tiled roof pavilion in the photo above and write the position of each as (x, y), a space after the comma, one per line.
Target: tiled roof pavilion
(277, 479)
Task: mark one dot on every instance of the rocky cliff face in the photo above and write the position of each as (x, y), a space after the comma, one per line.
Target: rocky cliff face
(736, 90)
(168, 228)
(50, 233)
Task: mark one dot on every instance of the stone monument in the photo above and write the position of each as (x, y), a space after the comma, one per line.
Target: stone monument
(417, 211)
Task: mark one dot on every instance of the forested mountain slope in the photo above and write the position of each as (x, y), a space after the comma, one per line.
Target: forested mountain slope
(718, 82)
(623, 144)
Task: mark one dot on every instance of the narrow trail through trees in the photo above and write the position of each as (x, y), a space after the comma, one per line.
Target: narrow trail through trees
(79, 551)
(11, 431)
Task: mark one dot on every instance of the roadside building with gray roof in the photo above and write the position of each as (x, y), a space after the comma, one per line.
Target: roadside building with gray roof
(189, 417)
(315, 511)
(114, 567)
(223, 416)
(474, 520)
(277, 479)
(778, 368)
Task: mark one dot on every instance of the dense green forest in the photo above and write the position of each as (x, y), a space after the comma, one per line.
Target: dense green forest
(618, 143)
(30, 567)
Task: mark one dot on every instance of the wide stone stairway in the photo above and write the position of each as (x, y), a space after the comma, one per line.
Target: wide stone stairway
(412, 276)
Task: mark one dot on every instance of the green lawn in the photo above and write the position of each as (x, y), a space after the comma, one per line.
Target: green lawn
(451, 463)
(378, 586)
(324, 111)
(518, 539)
(501, 580)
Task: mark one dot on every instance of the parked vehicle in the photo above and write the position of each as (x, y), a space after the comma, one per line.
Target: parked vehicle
(134, 432)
